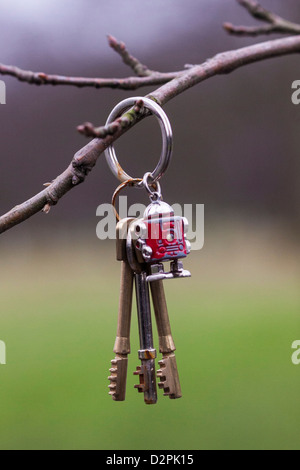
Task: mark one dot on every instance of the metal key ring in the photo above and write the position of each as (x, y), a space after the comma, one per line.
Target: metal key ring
(167, 138)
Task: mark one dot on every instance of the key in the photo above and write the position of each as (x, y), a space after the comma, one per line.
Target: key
(147, 353)
(118, 371)
(168, 373)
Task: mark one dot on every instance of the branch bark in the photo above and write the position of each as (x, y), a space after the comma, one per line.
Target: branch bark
(129, 83)
(86, 158)
(276, 24)
(144, 76)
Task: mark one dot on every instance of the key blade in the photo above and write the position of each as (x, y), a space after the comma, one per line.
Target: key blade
(117, 378)
(147, 353)
(169, 379)
(147, 385)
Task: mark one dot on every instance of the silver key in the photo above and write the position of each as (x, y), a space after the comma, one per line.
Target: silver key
(147, 353)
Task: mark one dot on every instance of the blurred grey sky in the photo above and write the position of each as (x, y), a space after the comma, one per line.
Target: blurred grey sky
(236, 136)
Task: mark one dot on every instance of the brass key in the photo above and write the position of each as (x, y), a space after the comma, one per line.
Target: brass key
(168, 373)
(118, 376)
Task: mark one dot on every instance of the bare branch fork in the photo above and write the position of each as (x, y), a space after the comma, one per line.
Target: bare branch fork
(172, 84)
(275, 24)
(145, 77)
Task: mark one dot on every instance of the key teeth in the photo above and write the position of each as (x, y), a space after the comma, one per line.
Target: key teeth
(160, 374)
(141, 386)
(138, 371)
(112, 378)
(117, 378)
(168, 375)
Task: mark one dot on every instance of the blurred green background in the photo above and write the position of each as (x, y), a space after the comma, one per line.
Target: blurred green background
(234, 322)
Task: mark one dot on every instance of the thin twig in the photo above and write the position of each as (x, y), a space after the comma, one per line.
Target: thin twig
(276, 24)
(139, 69)
(129, 83)
(89, 130)
(145, 76)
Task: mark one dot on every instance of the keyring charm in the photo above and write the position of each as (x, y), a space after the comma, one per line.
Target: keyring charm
(167, 138)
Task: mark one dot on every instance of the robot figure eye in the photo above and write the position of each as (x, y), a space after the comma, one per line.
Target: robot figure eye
(141, 230)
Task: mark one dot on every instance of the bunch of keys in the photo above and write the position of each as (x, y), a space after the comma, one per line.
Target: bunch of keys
(143, 246)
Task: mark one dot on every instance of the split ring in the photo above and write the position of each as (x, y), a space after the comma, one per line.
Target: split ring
(133, 183)
(130, 182)
(167, 138)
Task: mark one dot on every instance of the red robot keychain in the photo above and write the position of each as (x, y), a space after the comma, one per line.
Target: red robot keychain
(161, 237)
(144, 246)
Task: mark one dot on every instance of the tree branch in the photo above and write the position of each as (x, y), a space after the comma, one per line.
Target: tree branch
(139, 69)
(276, 24)
(129, 83)
(123, 122)
(86, 158)
(145, 76)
